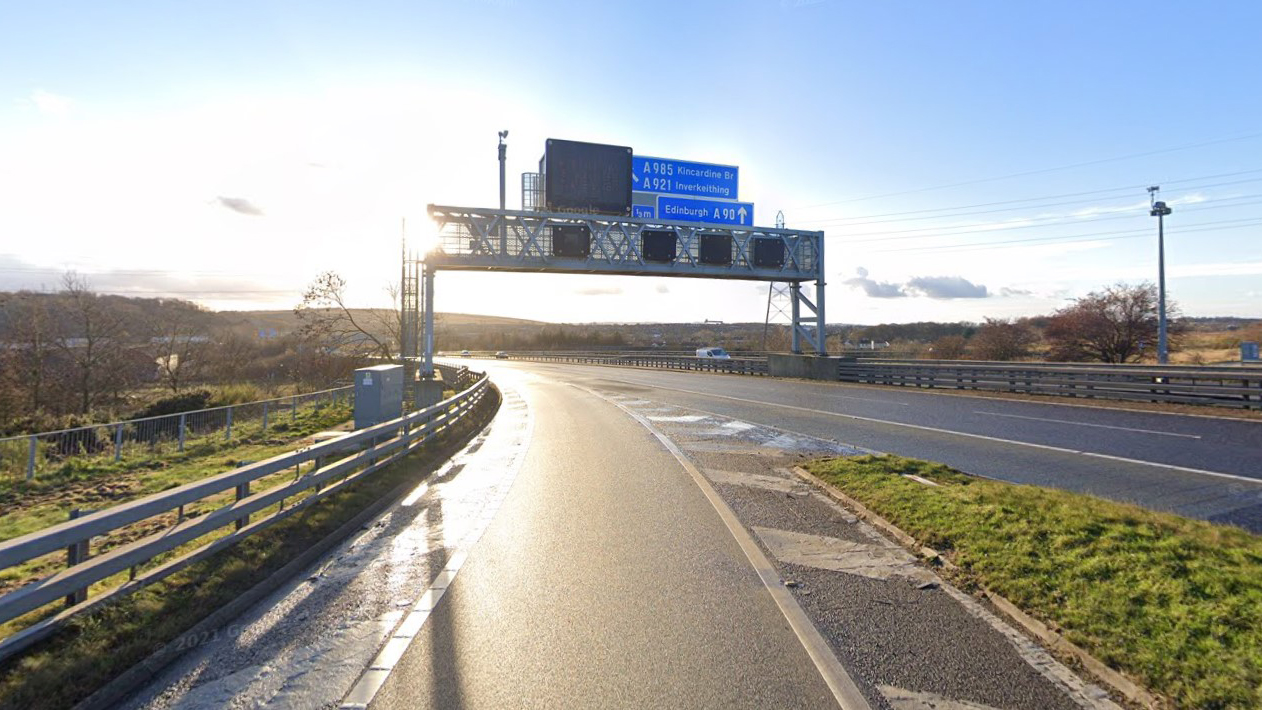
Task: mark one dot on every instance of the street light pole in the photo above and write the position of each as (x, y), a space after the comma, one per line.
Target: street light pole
(1160, 210)
(503, 227)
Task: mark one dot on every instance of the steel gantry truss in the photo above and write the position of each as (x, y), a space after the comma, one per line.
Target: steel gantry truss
(475, 239)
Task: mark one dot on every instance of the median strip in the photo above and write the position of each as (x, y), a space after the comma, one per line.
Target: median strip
(1174, 603)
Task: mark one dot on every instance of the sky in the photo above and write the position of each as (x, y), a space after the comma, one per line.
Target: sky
(965, 160)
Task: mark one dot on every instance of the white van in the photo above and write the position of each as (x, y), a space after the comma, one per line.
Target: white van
(713, 354)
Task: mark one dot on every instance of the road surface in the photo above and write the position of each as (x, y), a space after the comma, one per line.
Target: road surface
(1203, 466)
(635, 539)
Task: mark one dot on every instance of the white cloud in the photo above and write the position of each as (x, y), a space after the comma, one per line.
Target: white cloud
(946, 287)
(52, 105)
(240, 205)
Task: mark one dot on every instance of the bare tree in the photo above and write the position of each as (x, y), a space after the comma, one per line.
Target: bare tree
(999, 339)
(32, 355)
(326, 318)
(228, 359)
(948, 347)
(1115, 325)
(91, 339)
(176, 343)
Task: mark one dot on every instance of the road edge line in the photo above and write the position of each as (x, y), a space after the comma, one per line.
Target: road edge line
(1130, 689)
(951, 432)
(373, 678)
(845, 691)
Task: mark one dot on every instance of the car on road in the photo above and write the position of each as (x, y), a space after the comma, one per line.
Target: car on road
(501, 355)
(713, 353)
(464, 353)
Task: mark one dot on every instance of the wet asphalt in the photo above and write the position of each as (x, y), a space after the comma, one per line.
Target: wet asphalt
(1129, 456)
(608, 580)
(596, 573)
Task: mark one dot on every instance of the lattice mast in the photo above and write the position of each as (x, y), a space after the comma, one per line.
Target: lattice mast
(409, 312)
(779, 302)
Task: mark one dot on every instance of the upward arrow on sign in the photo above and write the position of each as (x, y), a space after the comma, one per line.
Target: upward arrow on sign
(743, 214)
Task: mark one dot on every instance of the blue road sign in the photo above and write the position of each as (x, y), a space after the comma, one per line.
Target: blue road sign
(643, 211)
(665, 176)
(687, 209)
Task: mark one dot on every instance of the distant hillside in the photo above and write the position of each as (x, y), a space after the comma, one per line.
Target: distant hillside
(287, 322)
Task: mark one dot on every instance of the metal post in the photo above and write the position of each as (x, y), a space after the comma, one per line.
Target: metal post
(1160, 210)
(182, 430)
(1163, 350)
(503, 225)
(265, 417)
(228, 430)
(821, 334)
(30, 458)
(295, 408)
(118, 441)
(243, 492)
(795, 289)
(428, 370)
(77, 552)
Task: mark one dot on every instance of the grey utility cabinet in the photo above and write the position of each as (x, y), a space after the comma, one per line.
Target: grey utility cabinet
(378, 394)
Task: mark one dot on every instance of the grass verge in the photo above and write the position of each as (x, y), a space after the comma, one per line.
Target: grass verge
(99, 484)
(98, 646)
(1175, 603)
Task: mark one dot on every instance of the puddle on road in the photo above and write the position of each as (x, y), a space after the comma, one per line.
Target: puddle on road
(307, 644)
(686, 418)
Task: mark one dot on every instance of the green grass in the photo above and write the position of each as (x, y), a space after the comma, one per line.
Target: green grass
(96, 483)
(1174, 602)
(96, 647)
(167, 464)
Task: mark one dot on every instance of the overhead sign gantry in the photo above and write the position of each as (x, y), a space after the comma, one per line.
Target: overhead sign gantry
(586, 226)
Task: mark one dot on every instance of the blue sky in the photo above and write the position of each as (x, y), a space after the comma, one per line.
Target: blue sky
(965, 159)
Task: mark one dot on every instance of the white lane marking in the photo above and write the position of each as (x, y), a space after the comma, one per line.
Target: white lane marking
(1086, 695)
(843, 687)
(375, 676)
(687, 418)
(1082, 693)
(756, 480)
(869, 399)
(951, 393)
(901, 699)
(830, 553)
(1098, 426)
(1172, 467)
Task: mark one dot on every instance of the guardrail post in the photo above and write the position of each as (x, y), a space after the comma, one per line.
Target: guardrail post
(30, 458)
(118, 441)
(243, 492)
(182, 430)
(76, 553)
(265, 417)
(227, 434)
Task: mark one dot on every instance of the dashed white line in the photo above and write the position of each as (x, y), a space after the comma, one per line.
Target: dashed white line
(1045, 447)
(378, 672)
(1097, 426)
(845, 692)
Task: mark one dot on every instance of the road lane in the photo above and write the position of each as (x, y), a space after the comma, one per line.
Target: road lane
(606, 580)
(1142, 467)
(602, 547)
